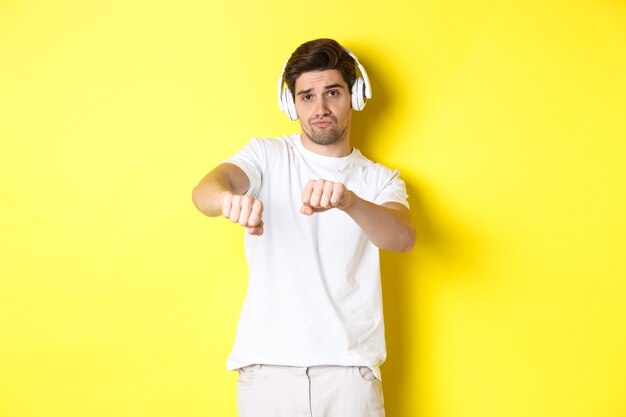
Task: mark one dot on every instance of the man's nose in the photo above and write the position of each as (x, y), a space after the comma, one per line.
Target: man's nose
(322, 108)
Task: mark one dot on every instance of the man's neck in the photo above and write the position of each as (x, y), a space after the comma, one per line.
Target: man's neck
(338, 149)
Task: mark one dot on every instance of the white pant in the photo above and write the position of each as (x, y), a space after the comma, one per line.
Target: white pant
(316, 391)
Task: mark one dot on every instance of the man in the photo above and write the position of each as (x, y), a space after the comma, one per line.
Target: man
(310, 338)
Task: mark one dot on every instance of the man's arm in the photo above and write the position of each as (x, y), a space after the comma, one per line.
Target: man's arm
(221, 191)
(389, 226)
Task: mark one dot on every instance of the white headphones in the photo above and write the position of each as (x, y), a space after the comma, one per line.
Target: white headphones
(361, 91)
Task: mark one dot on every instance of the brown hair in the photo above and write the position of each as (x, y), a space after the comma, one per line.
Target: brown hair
(319, 55)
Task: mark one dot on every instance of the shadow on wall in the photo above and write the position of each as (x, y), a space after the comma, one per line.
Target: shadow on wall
(381, 104)
(408, 297)
(405, 370)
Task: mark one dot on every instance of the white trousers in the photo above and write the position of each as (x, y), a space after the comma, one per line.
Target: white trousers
(316, 391)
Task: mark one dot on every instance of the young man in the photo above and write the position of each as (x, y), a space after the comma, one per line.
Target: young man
(310, 338)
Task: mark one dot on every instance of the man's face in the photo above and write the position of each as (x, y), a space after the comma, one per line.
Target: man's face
(323, 106)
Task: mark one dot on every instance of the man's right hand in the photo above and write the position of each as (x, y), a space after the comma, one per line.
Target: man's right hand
(245, 210)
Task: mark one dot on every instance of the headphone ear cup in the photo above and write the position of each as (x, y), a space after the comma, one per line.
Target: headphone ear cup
(289, 105)
(358, 94)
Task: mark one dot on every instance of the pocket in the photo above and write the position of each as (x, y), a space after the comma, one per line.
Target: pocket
(372, 389)
(367, 374)
(248, 374)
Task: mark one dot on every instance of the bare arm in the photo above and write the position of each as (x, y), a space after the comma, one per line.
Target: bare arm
(389, 226)
(221, 191)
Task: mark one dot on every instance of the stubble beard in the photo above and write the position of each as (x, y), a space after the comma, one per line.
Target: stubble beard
(325, 136)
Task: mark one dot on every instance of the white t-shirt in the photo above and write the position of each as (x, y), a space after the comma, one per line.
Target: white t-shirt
(314, 293)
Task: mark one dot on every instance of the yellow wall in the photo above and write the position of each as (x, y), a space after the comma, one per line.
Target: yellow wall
(506, 118)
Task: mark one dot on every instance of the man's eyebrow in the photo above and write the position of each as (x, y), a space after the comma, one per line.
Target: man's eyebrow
(326, 87)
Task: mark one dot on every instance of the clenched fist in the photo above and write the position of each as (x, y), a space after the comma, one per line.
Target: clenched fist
(245, 210)
(321, 195)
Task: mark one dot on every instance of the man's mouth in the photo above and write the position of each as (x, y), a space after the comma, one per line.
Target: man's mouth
(322, 122)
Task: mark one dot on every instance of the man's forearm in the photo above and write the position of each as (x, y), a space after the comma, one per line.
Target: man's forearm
(221, 192)
(388, 226)
(207, 195)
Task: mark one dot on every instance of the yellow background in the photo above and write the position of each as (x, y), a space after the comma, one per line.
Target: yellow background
(506, 119)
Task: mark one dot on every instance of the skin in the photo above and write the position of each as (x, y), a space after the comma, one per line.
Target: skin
(323, 105)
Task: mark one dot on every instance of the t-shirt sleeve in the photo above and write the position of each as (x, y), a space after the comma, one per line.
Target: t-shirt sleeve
(393, 189)
(252, 161)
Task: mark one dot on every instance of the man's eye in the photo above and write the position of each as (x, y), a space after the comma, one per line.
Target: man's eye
(333, 92)
(306, 97)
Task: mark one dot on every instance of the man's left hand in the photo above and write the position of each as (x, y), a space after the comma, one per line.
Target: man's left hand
(321, 195)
